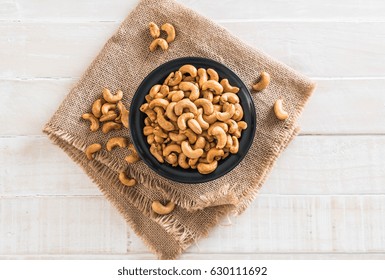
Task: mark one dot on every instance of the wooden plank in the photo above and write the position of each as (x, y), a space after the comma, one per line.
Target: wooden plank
(349, 111)
(311, 165)
(297, 225)
(316, 49)
(60, 225)
(88, 10)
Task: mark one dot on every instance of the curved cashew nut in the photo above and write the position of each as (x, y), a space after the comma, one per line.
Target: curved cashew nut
(176, 96)
(191, 136)
(168, 78)
(221, 137)
(154, 90)
(158, 102)
(91, 149)
(182, 120)
(206, 168)
(158, 131)
(208, 137)
(176, 79)
(124, 113)
(134, 157)
(182, 161)
(158, 139)
(202, 74)
(242, 125)
(177, 137)
(96, 108)
(238, 115)
(227, 87)
(213, 74)
(154, 30)
(107, 107)
(210, 119)
(129, 182)
(115, 142)
(208, 95)
(188, 86)
(158, 42)
(110, 116)
(280, 113)
(207, 106)
(149, 112)
(200, 143)
(170, 112)
(193, 163)
(214, 152)
(160, 209)
(108, 126)
(233, 125)
(230, 97)
(229, 142)
(190, 152)
(222, 125)
(229, 110)
(194, 125)
(190, 69)
(170, 30)
(188, 79)
(171, 148)
(165, 124)
(185, 104)
(111, 98)
(216, 99)
(235, 147)
(163, 92)
(203, 124)
(213, 86)
(172, 159)
(156, 153)
(264, 81)
(94, 126)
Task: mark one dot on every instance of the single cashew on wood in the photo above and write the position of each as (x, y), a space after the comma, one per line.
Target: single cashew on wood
(116, 142)
(154, 30)
(161, 209)
(170, 30)
(280, 113)
(91, 149)
(129, 182)
(264, 81)
(94, 126)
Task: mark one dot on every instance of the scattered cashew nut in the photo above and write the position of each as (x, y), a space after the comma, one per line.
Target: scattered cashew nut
(264, 81)
(129, 182)
(280, 113)
(161, 209)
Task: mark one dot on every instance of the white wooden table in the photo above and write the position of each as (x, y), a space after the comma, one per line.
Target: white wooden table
(325, 197)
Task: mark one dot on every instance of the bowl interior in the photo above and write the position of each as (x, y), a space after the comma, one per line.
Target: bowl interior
(179, 174)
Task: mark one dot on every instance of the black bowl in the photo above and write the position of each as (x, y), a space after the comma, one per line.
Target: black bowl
(179, 174)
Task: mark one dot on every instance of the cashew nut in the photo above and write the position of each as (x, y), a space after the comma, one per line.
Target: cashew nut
(182, 161)
(235, 147)
(212, 153)
(158, 42)
(107, 107)
(238, 114)
(150, 139)
(202, 123)
(182, 120)
(190, 69)
(134, 157)
(193, 162)
(229, 110)
(154, 30)
(154, 90)
(158, 131)
(213, 74)
(188, 79)
(170, 112)
(91, 149)
(280, 113)
(94, 126)
(170, 30)
(229, 142)
(149, 112)
(124, 113)
(165, 124)
(216, 99)
(112, 98)
(172, 159)
(222, 125)
(233, 125)
(190, 152)
(210, 119)
(194, 125)
(129, 182)
(221, 137)
(214, 86)
(115, 142)
(156, 153)
(147, 130)
(188, 86)
(96, 108)
(108, 126)
(264, 81)
(160, 209)
(242, 125)
(176, 95)
(202, 76)
(110, 116)
(177, 137)
(207, 106)
(176, 79)
(191, 136)
(206, 168)
(206, 94)
(200, 143)
(185, 104)
(230, 97)
(158, 102)
(227, 87)
(171, 148)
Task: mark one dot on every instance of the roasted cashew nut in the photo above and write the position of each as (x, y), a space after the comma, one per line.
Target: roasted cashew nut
(216, 99)
(91, 149)
(182, 120)
(170, 112)
(202, 74)
(124, 114)
(176, 79)
(154, 30)
(206, 94)
(156, 153)
(147, 130)
(107, 107)
(110, 116)
(158, 131)
(134, 157)
(238, 114)
(94, 126)
(189, 151)
(165, 124)
(154, 90)
(280, 113)
(213, 74)
(200, 143)
(214, 152)
(158, 102)
(229, 110)
(116, 142)
(112, 98)
(171, 148)
(158, 42)
(108, 126)
(182, 161)
(177, 96)
(213, 86)
(207, 106)
(96, 108)
(230, 97)
(264, 81)
(170, 30)
(222, 125)
(177, 137)
(233, 125)
(221, 137)
(227, 87)
(202, 123)
(129, 182)
(150, 139)
(194, 125)
(185, 104)
(149, 112)
(206, 168)
(210, 119)
(172, 159)
(189, 69)
(188, 86)
(161, 209)
(235, 147)
(191, 136)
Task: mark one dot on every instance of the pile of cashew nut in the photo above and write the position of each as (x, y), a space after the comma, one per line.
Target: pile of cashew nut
(194, 119)
(155, 33)
(108, 110)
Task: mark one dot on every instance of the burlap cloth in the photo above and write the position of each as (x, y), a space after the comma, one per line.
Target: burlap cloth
(122, 64)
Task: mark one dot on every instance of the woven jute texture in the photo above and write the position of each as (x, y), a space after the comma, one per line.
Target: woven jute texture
(122, 64)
